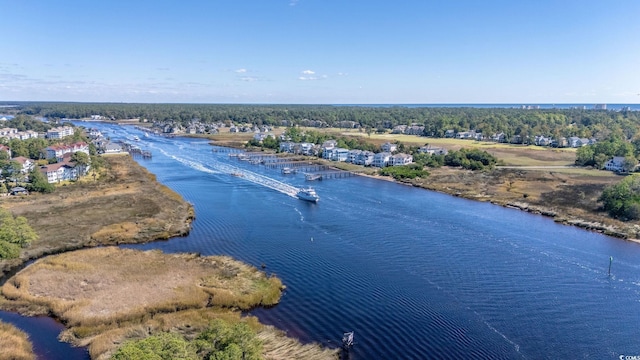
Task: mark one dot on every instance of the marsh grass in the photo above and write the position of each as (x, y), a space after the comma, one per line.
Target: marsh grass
(104, 295)
(14, 344)
(125, 205)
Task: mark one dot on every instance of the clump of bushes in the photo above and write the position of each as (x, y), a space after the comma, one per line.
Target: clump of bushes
(622, 200)
(15, 233)
(402, 172)
(220, 340)
(472, 159)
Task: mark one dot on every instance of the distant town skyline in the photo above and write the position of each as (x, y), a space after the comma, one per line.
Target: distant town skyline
(321, 52)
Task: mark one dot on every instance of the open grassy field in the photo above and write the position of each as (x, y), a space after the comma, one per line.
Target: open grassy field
(108, 295)
(14, 344)
(126, 204)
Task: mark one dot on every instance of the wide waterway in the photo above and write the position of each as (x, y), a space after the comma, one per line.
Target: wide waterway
(416, 274)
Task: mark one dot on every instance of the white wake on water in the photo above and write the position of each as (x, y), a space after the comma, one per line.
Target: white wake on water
(216, 167)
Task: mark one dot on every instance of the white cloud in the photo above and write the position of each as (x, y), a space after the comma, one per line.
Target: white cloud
(342, 74)
(293, 2)
(249, 78)
(308, 72)
(241, 71)
(311, 78)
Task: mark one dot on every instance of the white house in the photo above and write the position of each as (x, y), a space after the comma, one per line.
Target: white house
(432, 150)
(364, 158)
(111, 148)
(59, 172)
(27, 164)
(381, 159)
(615, 164)
(340, 154)
(400, 159)
(389, 147)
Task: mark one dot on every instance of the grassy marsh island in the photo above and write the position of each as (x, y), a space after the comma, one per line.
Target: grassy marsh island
(125, 204)
(108, 296)
(14, 343)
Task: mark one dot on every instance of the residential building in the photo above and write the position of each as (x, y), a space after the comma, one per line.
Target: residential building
(111, 148)
(400, 159)
(364, 158)
(389, 147)
(615, 164)
(58, 151)
(381, 159)
(27, 164)
(432, 150)
(59, 172)
(59, 132)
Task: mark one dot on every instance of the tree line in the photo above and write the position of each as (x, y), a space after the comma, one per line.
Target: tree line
(524, 123)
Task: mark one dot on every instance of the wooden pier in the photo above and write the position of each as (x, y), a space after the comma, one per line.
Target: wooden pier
(337, 174)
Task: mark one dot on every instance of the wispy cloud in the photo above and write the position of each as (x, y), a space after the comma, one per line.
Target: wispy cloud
(308, 72)
(311, 78)
(249, 78)
(241, 71)
(293, 2)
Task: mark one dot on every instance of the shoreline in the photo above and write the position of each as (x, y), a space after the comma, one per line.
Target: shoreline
(590, 221)
(557, 217)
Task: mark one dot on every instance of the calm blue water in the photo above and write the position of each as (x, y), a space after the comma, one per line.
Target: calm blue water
(415, 274)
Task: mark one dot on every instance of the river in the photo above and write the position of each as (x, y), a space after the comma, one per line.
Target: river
(416, 274)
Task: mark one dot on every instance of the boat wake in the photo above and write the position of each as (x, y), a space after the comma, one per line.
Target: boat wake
(214, 166)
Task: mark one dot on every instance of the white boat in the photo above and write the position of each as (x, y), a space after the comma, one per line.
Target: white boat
(136, 138)
(146, 135)
(308, 195)
(288, 170)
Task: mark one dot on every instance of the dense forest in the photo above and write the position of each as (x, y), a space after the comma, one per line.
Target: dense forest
(555, 123)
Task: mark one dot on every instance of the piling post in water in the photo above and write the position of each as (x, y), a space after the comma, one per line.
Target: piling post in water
(610, 261)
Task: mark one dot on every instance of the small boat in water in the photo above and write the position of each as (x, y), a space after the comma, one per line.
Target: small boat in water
(308, 195)
(136, 138)
(288, 170)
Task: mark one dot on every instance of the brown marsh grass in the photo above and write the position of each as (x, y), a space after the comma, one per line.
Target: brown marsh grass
(105, 295)
(14, 344)
(125, 205)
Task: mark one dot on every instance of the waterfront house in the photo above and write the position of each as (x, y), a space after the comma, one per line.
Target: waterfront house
(449, 133)
(111, 148)
(287, 146)
(353, 155)
(364, 158)
(381, 159)
(340, 154)
(400, 159)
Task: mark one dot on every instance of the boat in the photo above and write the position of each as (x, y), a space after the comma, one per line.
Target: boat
(146, 135)
(308, 195)
(288, 170)
(136, 138)
(347, 339)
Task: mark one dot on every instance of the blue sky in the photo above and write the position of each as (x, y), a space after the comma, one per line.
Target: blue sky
(321, 51)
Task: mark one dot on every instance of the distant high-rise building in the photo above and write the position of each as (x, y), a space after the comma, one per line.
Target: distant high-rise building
(600, 106)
